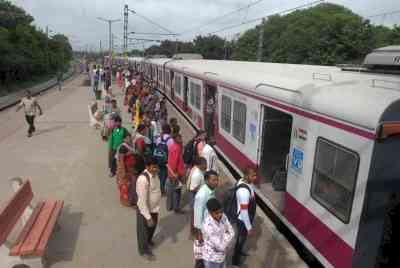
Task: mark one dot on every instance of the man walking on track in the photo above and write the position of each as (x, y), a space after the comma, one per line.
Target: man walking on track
(149, 197)
(30, 107)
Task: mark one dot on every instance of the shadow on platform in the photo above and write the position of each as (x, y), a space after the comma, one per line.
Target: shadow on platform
(62, 246)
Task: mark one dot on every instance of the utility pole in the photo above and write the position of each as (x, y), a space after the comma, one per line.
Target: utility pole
(260, 41)
(110, 22)
(101, 49)
(126, 14)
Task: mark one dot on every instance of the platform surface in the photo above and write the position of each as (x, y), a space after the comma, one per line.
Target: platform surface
(66, 160)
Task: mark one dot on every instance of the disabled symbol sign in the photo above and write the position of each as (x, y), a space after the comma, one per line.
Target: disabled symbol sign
(297, 161)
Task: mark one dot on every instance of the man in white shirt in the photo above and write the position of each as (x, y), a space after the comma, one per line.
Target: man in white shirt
(246, 204)
(195, 181)
(209, 154)
(149, 198)
(30, 108)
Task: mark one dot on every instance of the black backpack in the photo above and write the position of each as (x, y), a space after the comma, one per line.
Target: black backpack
(189, 152)
(230, 202)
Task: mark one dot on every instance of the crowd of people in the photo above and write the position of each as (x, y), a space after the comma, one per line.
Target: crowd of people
(151, 165)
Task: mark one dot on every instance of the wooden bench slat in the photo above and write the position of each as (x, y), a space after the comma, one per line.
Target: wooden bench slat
(38, 228)
(15, 250)
(40, 249)
(13, 210)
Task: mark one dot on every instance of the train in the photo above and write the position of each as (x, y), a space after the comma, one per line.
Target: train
(324, 140)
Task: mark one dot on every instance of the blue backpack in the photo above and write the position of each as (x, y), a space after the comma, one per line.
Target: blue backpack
(160, 152)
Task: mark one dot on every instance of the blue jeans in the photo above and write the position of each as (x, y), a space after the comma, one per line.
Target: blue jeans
(209, 264)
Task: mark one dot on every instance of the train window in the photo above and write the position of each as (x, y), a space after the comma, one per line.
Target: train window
(178, 85)
(239, 121)
(334, 178)
(226, 113)
(167, 78)
(195, 95)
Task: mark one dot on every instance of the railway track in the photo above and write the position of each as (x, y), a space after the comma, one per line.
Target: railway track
(303, 252)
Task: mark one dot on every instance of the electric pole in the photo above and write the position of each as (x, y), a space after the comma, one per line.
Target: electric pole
(110, 22)
(260, 41)
(126, 13)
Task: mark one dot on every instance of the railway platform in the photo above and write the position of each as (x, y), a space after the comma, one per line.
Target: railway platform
(67, 160)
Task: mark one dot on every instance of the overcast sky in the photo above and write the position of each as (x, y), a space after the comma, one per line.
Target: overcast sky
(77, 18)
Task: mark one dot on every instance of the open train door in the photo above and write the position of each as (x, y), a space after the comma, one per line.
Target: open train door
(185, 92)
(210, 108)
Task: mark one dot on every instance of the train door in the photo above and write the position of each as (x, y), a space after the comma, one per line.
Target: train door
(172, 85)
(275, 146)
(210, 100)
(185, 92)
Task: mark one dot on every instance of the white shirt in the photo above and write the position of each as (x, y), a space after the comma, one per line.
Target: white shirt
(217, 238)
(29, 105)
(196, 179)
(209, 154)
(149, 195)
(243, 197)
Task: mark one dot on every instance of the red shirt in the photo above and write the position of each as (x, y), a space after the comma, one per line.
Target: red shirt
(175, 160)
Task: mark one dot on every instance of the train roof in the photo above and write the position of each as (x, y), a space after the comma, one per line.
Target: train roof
(356, 98)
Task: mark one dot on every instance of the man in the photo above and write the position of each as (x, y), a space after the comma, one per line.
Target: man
(209, 118)
(176, 171)
(59, 79)
(149, 197)
(107, 78)
(115, 140)
(246, 205)
(218, 234)
(209, 154)
(205, 193)
(196, 177)
(30, 106)
(165, 141)
(195, 181)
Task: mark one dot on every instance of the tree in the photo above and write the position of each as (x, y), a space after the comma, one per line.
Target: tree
(211, 47)
(326, 34)
(25, 51)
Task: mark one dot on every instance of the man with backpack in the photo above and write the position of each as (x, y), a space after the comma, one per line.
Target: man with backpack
(242, 210)
(160, 154)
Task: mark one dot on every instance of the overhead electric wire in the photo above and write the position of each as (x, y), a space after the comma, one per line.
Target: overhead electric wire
(384, 14)
(221, 17)
(264, 17)
(150, 21)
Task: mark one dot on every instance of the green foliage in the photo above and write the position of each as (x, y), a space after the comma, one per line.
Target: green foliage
(25, 51)
(211, 47)
(169, 48)
(327, 34)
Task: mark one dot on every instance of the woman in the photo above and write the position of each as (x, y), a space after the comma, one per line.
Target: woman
(138, 116)
(125, 169)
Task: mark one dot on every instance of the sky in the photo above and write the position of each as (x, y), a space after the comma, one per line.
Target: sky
(77, 19)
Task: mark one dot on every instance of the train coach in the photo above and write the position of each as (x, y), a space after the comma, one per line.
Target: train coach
(324, 141)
